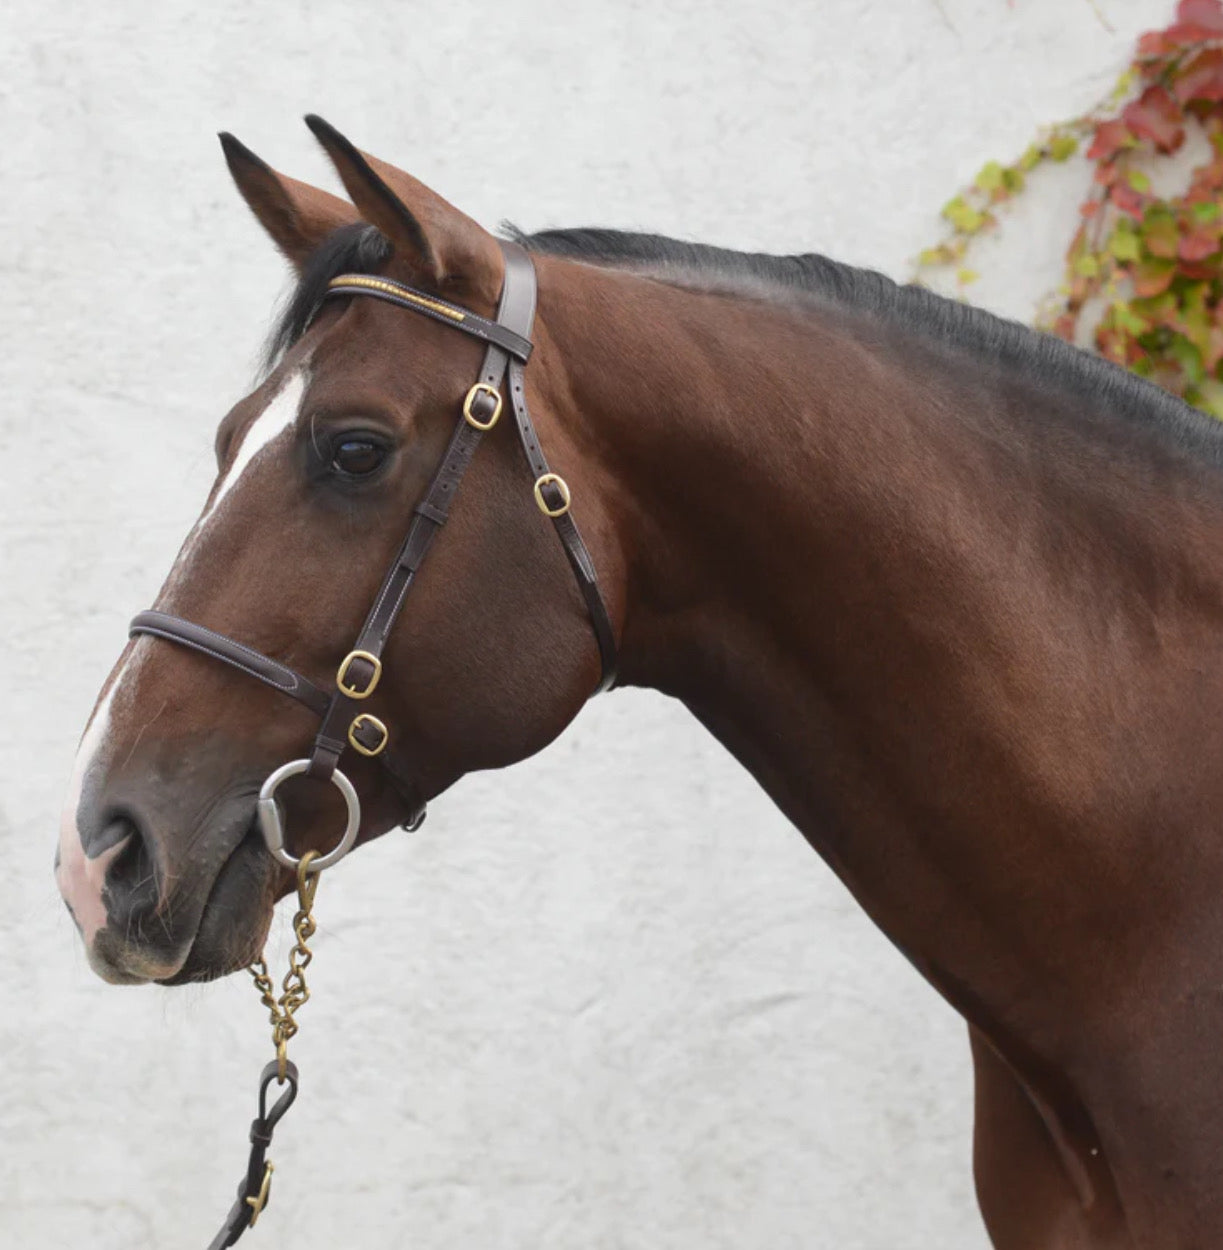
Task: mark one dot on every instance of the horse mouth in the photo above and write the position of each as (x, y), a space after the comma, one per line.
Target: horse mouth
(236, 916)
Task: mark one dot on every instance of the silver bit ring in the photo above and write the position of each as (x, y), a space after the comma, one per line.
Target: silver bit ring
(271, 820)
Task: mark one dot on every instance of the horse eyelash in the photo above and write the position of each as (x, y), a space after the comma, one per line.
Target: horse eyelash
(314, 442)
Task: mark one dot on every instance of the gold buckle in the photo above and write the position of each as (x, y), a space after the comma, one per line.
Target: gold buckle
(341, 677)
(552, 479)
(473, 421)
(259, 1201)
(366, 719)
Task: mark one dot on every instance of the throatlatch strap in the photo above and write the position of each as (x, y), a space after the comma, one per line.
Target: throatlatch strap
(566, 528)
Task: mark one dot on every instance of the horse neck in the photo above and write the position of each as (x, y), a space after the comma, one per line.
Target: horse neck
(904, 609)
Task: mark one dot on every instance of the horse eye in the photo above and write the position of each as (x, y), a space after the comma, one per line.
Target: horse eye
(357, 457)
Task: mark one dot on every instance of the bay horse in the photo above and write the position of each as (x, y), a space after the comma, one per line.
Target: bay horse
(950, 589)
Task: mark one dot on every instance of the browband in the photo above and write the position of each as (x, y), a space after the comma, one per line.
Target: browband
(448, 314)
(508, 347)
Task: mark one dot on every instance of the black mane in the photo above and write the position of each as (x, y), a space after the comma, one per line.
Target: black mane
(1062, 371)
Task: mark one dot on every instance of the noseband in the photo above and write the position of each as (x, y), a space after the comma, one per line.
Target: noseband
(344, 724)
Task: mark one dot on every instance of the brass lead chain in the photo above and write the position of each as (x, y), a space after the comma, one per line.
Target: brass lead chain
(294, 990)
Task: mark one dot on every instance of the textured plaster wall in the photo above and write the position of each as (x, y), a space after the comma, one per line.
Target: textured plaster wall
(609, 998)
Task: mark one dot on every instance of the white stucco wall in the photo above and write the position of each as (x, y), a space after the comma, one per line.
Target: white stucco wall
(666, 1025)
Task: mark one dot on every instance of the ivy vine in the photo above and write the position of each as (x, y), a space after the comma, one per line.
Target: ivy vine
(1144, 269)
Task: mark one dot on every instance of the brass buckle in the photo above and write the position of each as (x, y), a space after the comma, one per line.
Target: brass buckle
(473, 421)
(357, 745)
(552, 479)
(341, 677)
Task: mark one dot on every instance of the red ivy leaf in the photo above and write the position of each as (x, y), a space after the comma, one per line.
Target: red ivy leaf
(1205, 185)
(1155, 115)
(1199, 271)
(1204, 12)
(1198, 244)
(1111, 137)
(1153, 277)
(1129, 201)
(1154, 43)
(1114, 345)
(1201, 79)
(1197, 20)
(1161, 236)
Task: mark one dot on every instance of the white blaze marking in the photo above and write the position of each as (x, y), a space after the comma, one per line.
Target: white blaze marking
(81, 880)
(277, 417)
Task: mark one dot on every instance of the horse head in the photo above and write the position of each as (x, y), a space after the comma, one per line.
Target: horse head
(321, 468)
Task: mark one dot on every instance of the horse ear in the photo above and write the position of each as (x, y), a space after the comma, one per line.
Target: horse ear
(438, 245)
(297, 216)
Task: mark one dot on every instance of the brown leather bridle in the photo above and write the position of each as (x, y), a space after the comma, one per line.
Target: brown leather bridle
(344, 724)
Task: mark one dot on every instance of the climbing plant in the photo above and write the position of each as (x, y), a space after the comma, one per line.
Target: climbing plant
(1144, 269)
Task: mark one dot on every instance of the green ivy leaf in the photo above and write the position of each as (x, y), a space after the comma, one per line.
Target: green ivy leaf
(1212, 404)
(1153, 277)
(1211, 398)
(963, 216)
(1204, 214)
(990, 178)
(1125, 318)
(1160, 310)
(1124, 85)
(1160, 233)
(1124, 244)
(1031, 158)
(1063, 146)
(1188, 358)
(1138, 180)
(932, 256)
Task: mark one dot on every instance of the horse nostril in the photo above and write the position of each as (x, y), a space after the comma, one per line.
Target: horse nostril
(130, 875)
(99, 837)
